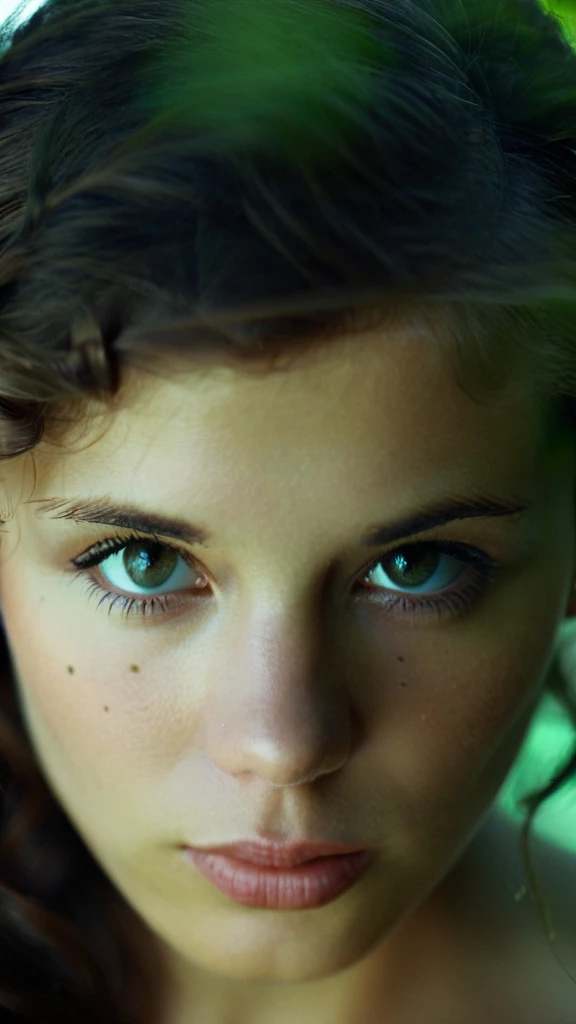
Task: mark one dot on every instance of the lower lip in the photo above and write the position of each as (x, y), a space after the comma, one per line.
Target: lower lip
(305, 887)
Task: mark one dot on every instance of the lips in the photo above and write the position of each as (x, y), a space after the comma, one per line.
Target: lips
(309, 886)
(277, 855)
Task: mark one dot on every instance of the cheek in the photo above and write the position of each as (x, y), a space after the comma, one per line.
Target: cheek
(449, 737)
(79, 698)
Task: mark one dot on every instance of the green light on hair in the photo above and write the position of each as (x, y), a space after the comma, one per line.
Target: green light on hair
(286, 75)
(565, 12)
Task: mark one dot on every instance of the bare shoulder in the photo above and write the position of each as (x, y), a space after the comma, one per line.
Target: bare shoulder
(556, 868)
(537, 985)
(511, 973)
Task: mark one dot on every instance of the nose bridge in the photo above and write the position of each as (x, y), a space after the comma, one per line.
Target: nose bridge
(281, 712)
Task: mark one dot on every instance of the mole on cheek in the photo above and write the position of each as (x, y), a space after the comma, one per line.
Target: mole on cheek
(71, 669)
(134, 668)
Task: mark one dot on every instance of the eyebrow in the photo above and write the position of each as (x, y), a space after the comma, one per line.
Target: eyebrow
(107, 512)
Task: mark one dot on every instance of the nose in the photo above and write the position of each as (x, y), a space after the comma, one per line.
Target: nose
(288, 717)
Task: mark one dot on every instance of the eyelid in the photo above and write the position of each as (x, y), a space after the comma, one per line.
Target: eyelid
(84, 559)
(456, 549)
(475, 557)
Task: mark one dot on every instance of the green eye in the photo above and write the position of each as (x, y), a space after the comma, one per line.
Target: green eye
(146, 563)
(137, 566)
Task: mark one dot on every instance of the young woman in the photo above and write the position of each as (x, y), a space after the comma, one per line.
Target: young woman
(287, 399)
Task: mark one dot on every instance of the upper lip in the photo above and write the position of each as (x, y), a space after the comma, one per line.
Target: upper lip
(280, 855)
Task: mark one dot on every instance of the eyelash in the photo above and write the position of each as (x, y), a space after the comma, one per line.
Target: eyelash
(456, 601)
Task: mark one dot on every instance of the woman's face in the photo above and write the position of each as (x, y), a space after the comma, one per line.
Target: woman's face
(280, 690)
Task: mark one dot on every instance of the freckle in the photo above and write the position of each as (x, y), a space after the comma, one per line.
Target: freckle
(106, 708)
(71, 669)
(400, 658)
(134, 668)
(402, 684)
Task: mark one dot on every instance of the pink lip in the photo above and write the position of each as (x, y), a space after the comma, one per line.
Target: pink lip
(310, 885)
(279, 855)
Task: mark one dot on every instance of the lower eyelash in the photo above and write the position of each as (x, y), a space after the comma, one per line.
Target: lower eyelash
(147, 605)
(457, 602)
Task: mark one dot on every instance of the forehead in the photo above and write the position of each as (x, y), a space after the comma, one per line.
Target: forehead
(380, 407)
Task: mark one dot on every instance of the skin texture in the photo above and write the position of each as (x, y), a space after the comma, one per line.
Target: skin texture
(345, 720)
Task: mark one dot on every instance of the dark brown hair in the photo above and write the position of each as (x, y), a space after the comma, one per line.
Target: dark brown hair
(227, 182)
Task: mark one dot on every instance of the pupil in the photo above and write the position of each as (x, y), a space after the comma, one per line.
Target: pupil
(413, 569)
(149, 564)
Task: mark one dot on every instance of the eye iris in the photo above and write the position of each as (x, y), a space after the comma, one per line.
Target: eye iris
(407, 563)
(149, 564)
